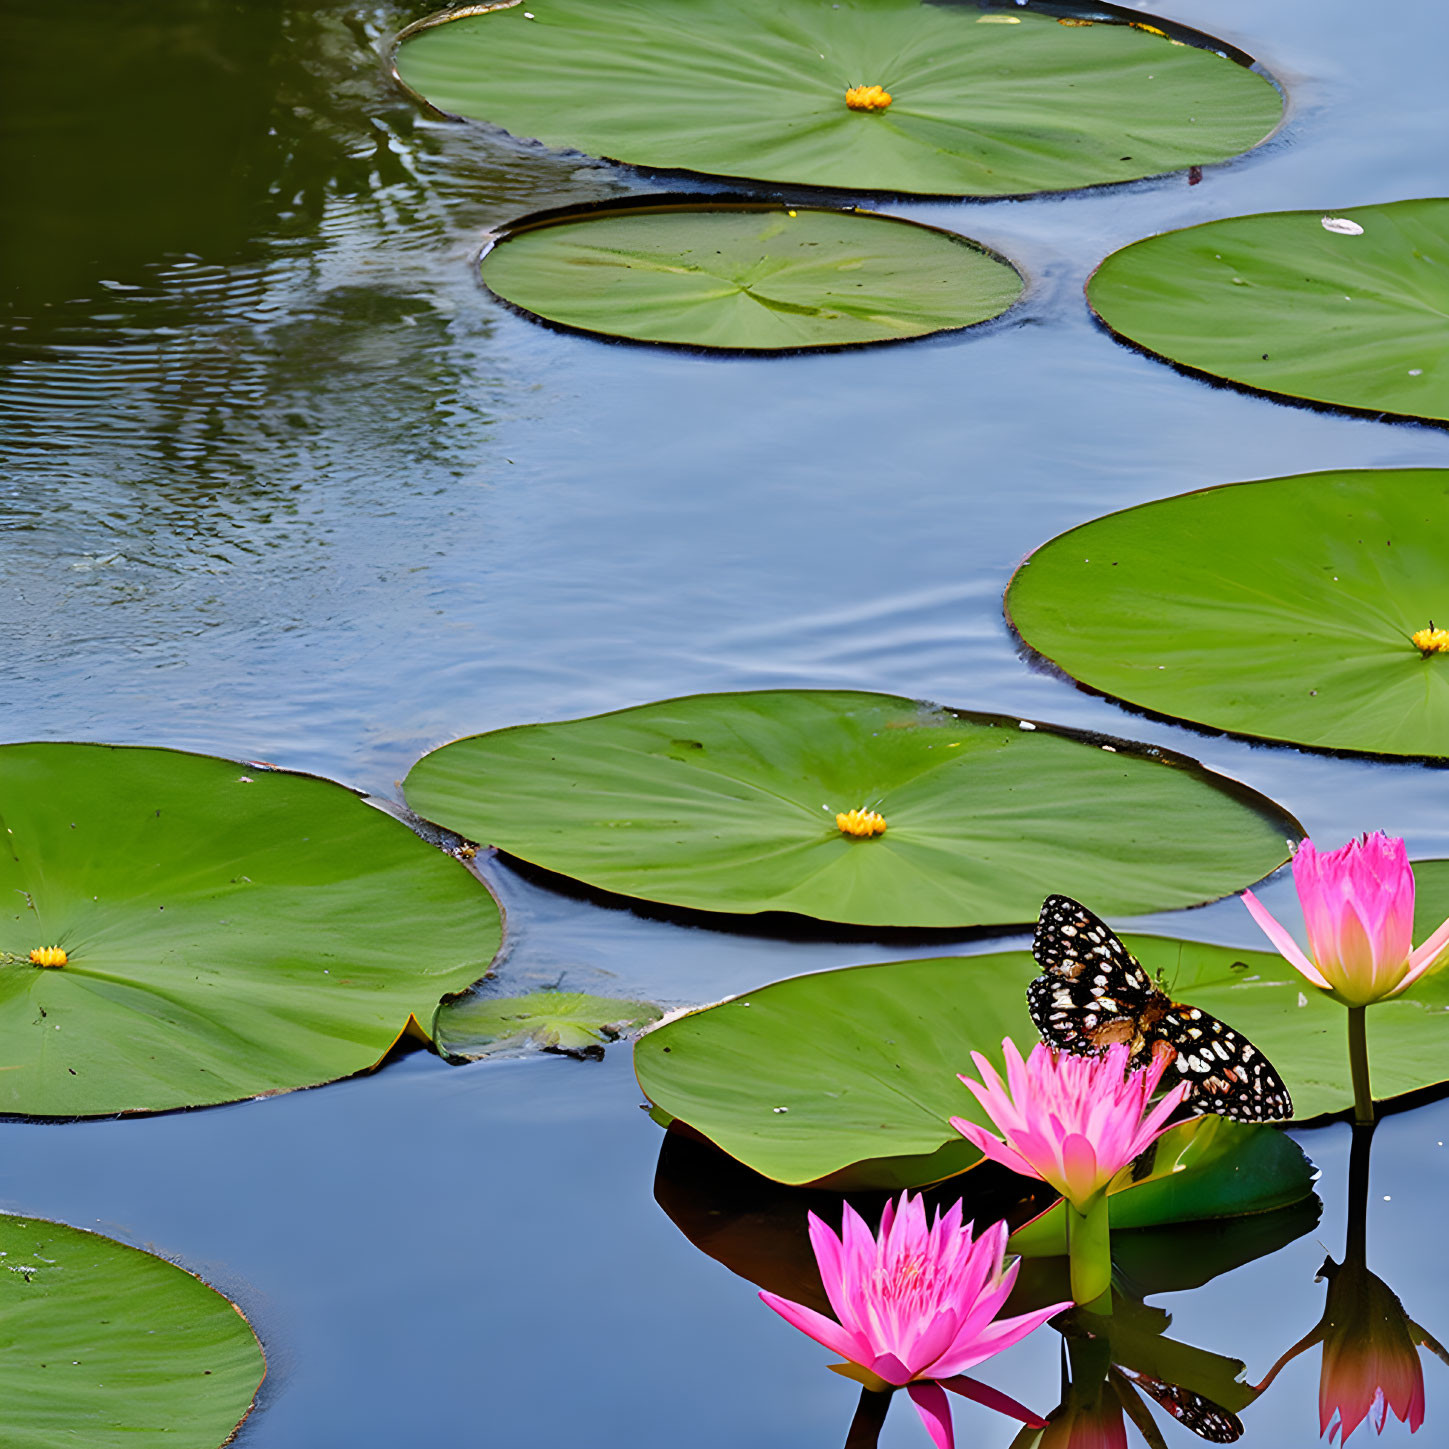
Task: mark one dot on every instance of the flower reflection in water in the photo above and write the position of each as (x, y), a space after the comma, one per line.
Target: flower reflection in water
(1371, 1364)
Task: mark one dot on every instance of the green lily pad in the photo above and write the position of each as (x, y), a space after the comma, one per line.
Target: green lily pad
(1346, 308)
(104, 1345)
(751, 276)
(864, 1061)
(471, 1027)
(1283, 610)
(230, 930)
(728, 802)
(983, 103)
(1200, 1170)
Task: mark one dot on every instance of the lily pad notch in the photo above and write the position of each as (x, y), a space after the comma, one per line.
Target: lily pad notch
(860, 809)
(719, 273)
(891, 97)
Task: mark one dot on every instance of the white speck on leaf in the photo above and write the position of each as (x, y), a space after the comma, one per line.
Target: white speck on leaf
(1342, 226)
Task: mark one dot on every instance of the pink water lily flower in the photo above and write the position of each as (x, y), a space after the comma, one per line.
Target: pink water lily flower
(1358, 908)
(917, 1307)
(1074, 1122)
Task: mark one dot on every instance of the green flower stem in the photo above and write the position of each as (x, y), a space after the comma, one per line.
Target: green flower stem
(869, 1418)
(1090, 1249)
(1358, 1065)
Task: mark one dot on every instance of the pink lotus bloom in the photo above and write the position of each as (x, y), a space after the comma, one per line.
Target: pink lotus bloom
(916, 1306)
(1358, 907)
(1073, 1122)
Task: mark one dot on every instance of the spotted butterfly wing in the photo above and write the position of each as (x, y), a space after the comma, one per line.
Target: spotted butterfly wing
(1206, 1419)
(1093, 993)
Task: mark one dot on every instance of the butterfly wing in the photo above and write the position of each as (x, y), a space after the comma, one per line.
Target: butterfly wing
(1206, 1419)
(1228, 1074)
(1092, 992)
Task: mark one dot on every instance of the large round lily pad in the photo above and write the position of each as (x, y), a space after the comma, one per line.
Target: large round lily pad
(754, 276)
(104, 1345)
(1345, 308)
(982, 102)
(1283, 609)
(728, 802)
(851, 1076)
(229, 930)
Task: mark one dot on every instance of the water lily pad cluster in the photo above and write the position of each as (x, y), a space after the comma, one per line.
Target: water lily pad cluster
(890, 96)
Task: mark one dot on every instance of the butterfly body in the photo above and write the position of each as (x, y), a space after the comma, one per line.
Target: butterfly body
(1093, 993)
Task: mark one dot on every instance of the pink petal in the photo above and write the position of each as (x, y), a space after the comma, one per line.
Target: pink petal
(1426, 957)
(819, 1327)
(993, 1398)
(1287, 947)
(890, 1368)
(1080, 1172)
(830, 1259)
(935, 1410)
(994, 1339)
(994, 1148)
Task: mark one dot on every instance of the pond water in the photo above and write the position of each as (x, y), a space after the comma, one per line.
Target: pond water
(283, 482)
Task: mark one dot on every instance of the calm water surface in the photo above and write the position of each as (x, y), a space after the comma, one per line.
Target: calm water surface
(281, 481)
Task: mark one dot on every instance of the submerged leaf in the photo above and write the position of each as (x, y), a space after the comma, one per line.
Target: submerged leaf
(470, 1027)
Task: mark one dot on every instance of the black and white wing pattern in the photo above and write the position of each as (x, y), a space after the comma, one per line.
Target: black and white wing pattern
(1206, 1419)
(1093, 993)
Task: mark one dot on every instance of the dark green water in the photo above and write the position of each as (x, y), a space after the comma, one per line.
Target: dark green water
(281, 481)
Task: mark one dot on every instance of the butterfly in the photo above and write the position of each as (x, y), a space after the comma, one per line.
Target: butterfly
(1206, 1419)
(1093, 993)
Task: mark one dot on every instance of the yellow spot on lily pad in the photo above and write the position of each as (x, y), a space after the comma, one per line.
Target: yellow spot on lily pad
(863, 823)
(1430, 641)
(49, 956)
(867, 98)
